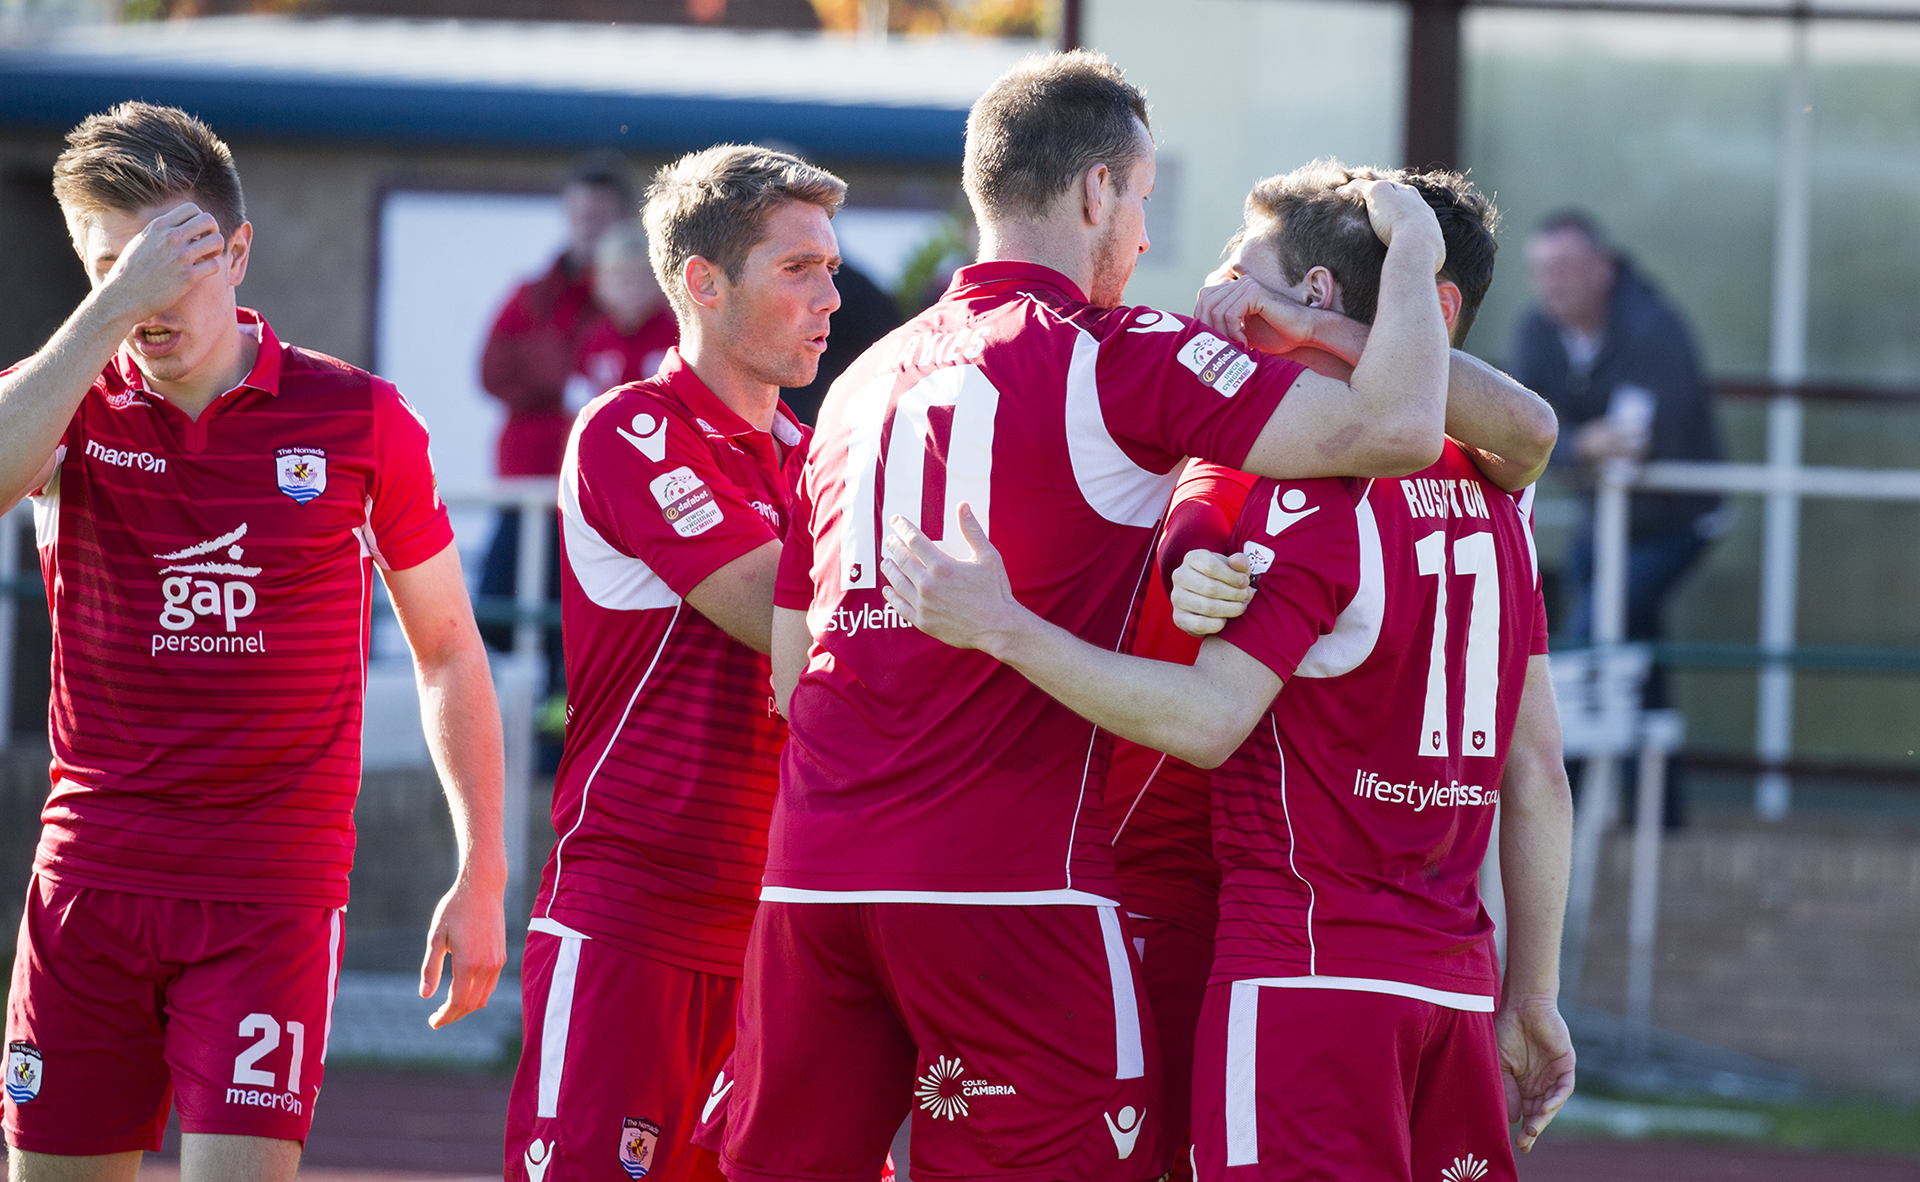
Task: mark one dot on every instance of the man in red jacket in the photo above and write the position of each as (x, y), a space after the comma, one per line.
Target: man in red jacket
(526, 364)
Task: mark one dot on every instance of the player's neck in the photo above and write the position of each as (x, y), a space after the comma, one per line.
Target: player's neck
(1045, 243)
(226, 367)
(744, 394)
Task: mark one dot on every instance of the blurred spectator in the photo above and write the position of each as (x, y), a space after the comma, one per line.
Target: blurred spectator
(637, 327)
(1619, 366)
(866, 314)
(528, 358)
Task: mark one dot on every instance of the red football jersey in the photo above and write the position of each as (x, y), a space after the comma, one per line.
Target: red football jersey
(917, 769)
(608, 357)
(1351, 825)
(673, 744)
(1160, 809)
(210, 581)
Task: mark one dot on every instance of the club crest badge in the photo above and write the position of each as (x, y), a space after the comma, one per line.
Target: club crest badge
(302, 472)
(23, 1072)
(638, 1138)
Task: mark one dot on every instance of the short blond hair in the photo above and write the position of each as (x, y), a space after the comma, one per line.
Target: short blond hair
(714, 204)
(138, 155)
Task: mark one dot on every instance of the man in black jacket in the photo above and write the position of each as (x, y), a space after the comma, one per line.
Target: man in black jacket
(1619, 366)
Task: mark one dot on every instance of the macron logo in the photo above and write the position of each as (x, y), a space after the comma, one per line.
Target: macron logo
(649, 435)
(539, 1157)
(721, 1086)
(1126, 1130)
(1285, 510)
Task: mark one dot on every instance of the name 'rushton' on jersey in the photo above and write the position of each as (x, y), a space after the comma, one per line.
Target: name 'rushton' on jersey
(1064, 425)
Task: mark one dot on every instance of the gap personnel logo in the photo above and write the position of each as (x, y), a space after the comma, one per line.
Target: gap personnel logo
(686, 502)
(1464, 1169)
(638, 1139)
(539, 1157)
(186, 597)
(302, 472)
(23, 1071)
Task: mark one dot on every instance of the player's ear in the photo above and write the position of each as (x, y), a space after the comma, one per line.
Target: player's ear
(1451, 301)
(1093, 194)
(703, 281)
(1323, 290)
(239, 251)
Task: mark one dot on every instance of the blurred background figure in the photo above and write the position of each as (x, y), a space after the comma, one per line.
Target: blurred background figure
(528, 360)
(630, 337)
(1619, 365)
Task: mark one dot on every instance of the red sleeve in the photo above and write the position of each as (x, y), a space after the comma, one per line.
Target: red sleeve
(407, 520)
(678, 513)
(793, 585)
(1539, 622)
(1168, 384)
(1206, 504)
(1305, 551)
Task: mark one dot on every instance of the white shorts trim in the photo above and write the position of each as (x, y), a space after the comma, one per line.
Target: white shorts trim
(556, 1024)
(333, 976)
(1129, 1050)
(1243, 1044)
(1054, 898)
(1473, 1002)
(554, 927)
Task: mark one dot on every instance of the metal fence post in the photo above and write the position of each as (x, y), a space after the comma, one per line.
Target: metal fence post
(521, 702)
(1660, 735)
(1594, 814)
(1780, 561)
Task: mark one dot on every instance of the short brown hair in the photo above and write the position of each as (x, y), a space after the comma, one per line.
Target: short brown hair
(1311, 224)
(714, 203)
(138, 155)
(1042, 125)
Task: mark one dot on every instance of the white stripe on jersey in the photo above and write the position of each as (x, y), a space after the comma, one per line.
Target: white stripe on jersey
(1117, 488)
(1357, 629)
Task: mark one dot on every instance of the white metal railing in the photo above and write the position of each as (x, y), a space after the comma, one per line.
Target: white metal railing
(1784, 483)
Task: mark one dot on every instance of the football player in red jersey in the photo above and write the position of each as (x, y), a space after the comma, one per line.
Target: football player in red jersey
(1354, 958)
(211, 507)
(973, 801)
(1158, 806)
(673, 502)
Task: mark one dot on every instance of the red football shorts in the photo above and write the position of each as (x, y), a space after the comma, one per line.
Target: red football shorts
(123, 1004)
(1016, 1036)
(1175, 963)
(1296, 1083)
(619, 1052)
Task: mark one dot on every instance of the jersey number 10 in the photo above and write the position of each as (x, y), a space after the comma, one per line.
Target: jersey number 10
(939, 437)
(1474, 558)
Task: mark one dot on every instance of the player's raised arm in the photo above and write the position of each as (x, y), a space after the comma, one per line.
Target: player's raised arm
(1389, 420)
(132, 282)
(1536, 837)
(1199, 713)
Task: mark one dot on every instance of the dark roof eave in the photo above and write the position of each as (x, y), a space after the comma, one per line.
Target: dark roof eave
(357, 111)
